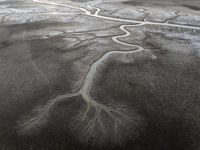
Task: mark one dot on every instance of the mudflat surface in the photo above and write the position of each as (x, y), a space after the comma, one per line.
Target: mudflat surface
(77, 75)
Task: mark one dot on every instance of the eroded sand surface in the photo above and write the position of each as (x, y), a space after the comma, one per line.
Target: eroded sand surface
(99, 75)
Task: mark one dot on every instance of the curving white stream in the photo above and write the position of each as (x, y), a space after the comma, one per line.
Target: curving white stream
(96, 14)
(35, 121)
(116, 115)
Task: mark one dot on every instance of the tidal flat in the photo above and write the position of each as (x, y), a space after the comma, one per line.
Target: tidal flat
(99, 74)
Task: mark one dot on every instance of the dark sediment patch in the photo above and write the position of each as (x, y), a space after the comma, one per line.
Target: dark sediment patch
(165, 90)
(192, 7)
(25, 70)
(133, 3)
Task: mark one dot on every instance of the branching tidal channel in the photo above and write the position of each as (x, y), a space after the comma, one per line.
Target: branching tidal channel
(117, 115)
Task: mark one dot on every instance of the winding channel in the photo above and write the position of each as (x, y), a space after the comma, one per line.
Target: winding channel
(115, 114)
(96, 14)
